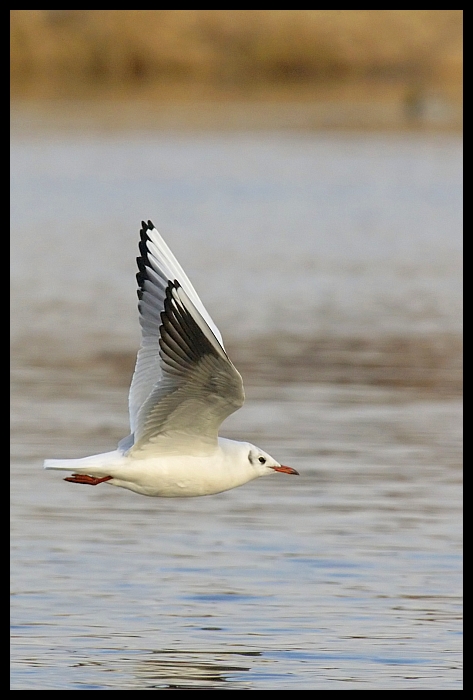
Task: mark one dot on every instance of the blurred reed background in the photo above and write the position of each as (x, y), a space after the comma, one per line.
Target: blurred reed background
(58, 49)
(411, 58)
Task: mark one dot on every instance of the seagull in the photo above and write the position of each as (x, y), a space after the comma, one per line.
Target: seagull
(183, 387)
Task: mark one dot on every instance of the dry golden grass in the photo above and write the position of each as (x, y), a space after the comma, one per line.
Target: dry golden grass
(64, 48)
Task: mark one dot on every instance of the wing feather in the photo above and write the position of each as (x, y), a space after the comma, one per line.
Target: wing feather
(156, 267)
(184, 384)
(199, 387)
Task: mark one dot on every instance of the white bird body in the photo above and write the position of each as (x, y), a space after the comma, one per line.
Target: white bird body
(171, 476)
(183, 387)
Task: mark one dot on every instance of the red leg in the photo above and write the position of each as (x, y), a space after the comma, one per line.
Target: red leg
(86, 479)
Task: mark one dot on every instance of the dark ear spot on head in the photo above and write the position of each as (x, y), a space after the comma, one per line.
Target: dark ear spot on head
(250, 457)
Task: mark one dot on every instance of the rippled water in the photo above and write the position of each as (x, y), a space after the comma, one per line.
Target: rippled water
(346, 577)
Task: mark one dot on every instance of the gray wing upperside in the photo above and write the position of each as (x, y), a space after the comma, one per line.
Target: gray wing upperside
(199, 385)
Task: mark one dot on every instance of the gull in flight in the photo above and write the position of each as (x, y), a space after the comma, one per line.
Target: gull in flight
(183, 387)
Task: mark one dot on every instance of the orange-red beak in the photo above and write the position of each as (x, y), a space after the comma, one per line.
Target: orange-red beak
(285, 470)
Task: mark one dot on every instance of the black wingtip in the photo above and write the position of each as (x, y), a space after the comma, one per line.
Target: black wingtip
(143, 248)
(147, 226)
(142, 261)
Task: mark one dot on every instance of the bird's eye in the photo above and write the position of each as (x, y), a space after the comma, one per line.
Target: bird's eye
(261, 460)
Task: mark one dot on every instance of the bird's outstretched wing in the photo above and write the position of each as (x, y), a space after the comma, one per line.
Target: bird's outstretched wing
(184, 384)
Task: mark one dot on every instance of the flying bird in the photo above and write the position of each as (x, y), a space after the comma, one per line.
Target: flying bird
(183, 387)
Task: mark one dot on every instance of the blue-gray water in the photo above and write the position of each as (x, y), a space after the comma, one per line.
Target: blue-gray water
(331, 264)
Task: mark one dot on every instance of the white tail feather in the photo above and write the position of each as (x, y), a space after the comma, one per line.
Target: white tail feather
(96, 465)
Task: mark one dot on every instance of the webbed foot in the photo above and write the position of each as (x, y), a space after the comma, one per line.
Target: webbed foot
(86, 479)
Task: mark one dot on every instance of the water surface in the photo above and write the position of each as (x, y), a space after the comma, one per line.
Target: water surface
(347, 577)
(331, 264)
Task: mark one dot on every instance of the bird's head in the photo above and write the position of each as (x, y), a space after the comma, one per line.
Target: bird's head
(264, 463)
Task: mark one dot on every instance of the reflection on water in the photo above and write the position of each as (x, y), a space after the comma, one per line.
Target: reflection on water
(187, 670)
(172, 670)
